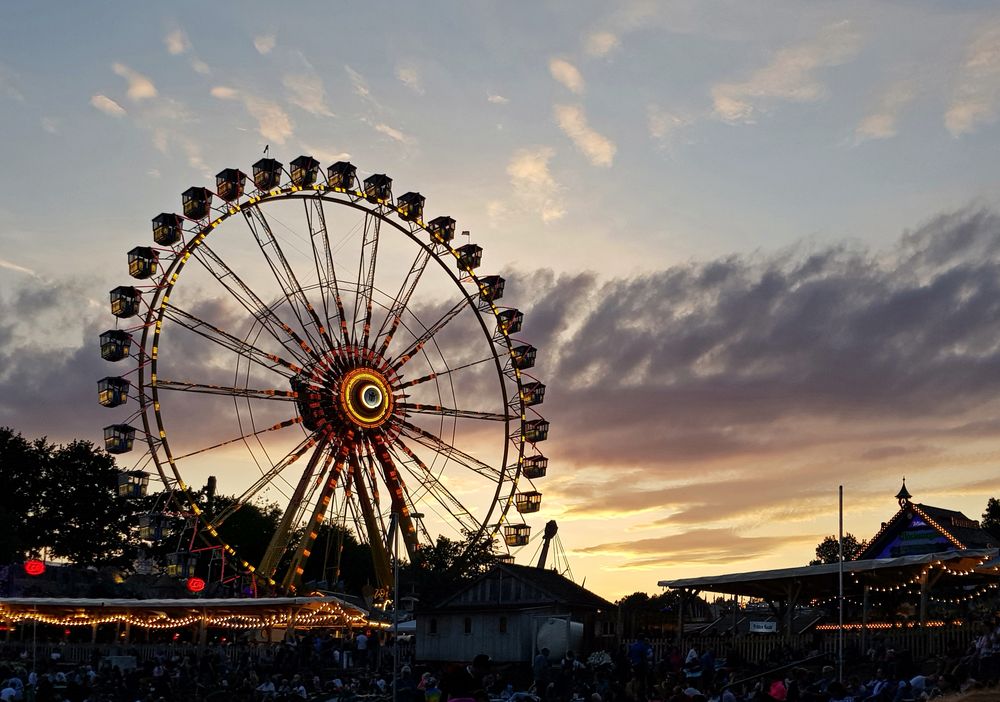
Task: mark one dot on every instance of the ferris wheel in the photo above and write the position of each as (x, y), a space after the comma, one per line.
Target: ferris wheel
(318, 344)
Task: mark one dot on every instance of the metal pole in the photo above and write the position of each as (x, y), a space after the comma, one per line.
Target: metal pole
(840, 590)
(395, 599)
(395, 606)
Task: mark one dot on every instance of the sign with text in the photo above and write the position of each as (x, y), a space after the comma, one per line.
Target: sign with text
(763, 627)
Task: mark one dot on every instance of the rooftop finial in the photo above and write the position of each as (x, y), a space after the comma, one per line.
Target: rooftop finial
(903, 496)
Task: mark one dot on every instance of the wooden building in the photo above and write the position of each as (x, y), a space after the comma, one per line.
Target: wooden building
(508, 611)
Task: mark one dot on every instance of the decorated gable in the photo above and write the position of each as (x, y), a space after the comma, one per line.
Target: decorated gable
(915, 537)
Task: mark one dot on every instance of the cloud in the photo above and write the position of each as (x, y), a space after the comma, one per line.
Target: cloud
(747, 357)
(600, 44)
(881, 122)
(664, 125)
(567, 74)
(10, 84)
(11, 266)
(497, 99)
(358, 83)
(107, 106)
(177, 42)
(50, 125)
(533, 183)
(790, 76)
(264, 43)
(224, 92)
(273, 123)
(325, 155)
(598, 149)
(47, 399)
(695, 546)
(393, 133)
(306, 90)
(139, 86)
(977, 94)
(409, 76)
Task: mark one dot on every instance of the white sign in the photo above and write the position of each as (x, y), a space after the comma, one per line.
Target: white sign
(763, 627)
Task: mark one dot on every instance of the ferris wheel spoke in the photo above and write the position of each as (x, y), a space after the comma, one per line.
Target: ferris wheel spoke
(402, 300)
(435, 488)
(226, 340)
(438, 410)
(285, 276)
(292, 515)
(265, 479)
(366, 275)
(186, 386)
(397, 489)
(325, 270)
(373, 526)
(251, 302)
(328, 478)
(432, 376)
(427, 335)
(425, 438)
(281, 425)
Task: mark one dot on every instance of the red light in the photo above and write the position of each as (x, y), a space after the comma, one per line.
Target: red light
(34, 567)
(195, 584)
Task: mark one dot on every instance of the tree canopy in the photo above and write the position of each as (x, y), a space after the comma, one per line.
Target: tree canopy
(828, 550)
(62, 500)
(991, 517)
(439, 568)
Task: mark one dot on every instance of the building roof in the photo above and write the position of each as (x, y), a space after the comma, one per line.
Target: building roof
(550, 585)
(960, 531)
(819, 581)
(561, 587)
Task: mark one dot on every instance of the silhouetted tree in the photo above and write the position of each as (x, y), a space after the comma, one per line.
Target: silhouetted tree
(991, 517)
(440, 568)
(20, 494)
(62, 500)
(828, 550)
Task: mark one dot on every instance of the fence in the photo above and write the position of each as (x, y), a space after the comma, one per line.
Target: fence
(758, 648)
(85, 653)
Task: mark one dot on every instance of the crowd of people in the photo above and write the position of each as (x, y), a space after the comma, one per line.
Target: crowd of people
(321, 668)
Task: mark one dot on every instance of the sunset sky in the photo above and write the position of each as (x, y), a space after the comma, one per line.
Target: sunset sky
(756, 243)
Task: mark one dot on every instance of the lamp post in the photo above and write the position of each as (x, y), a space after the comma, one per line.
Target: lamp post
(395, 601)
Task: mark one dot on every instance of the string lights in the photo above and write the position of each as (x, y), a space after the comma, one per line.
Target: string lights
(887, 625)
(979, 592)
(326, 615)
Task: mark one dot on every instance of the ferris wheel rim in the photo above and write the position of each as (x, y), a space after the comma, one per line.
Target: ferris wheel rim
(157, 310)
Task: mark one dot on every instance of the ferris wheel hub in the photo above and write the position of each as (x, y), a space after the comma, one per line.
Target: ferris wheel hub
(352, 388)
(366, 397)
